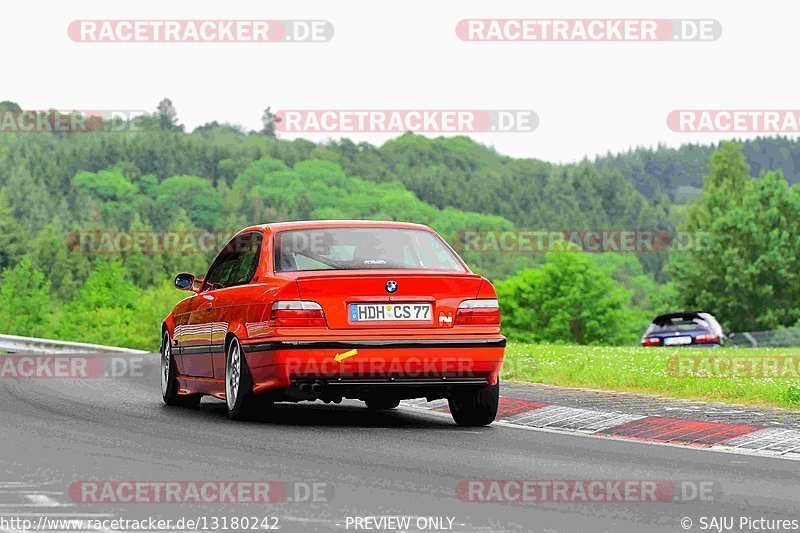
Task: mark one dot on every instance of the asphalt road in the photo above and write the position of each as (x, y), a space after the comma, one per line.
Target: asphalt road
(399, 463)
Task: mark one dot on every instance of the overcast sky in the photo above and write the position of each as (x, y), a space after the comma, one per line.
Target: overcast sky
(590, 97)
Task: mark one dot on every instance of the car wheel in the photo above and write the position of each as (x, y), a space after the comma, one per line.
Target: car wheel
(377, 404)
(475, 407)
(238, 383)
(169, 378)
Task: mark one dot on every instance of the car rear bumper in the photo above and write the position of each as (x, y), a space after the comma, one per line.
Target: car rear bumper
(384, 363)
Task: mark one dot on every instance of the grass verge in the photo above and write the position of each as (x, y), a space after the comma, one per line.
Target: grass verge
(768, 377)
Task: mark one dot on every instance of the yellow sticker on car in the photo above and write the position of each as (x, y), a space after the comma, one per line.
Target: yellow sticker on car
(339, 357)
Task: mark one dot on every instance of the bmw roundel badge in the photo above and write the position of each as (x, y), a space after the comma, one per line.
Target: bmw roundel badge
(391, 286)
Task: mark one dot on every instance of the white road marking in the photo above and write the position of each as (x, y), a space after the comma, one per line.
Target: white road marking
(729, 447)
(422, 403)
(62, 515)
(43, 500)
(27, 505)
(700, 449)
(584, 420)
(4, 491)
(768, 441)
(311, 520)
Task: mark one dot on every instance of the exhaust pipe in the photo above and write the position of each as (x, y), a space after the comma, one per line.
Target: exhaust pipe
(307, 390)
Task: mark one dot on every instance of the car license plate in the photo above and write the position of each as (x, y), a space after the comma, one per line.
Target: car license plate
(391, 312)
(677, 341)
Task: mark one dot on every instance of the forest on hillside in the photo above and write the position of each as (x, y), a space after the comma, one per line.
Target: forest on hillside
(153, 176)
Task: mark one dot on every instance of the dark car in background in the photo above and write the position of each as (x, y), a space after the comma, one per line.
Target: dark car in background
(687, 328)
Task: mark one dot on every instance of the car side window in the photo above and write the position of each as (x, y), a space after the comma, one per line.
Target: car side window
(247, 263)
(237, 263)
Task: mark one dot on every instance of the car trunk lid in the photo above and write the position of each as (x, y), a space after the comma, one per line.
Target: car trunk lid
(369, 300)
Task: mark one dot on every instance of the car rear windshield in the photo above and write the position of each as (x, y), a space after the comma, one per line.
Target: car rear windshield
(679, 324)
(362, 249)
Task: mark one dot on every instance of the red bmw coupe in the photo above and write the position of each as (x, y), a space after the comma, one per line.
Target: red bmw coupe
(326, 310)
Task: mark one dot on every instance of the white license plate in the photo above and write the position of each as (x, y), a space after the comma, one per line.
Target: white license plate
(673, 341)
(391, 313)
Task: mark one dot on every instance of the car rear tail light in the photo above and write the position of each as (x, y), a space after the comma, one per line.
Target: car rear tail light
(478, 312)
(296, 313)
(706, 338)
(651, 341)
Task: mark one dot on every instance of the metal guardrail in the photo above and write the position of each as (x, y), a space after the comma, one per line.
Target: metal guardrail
(17, 344)
(776, 338)
(788, 337)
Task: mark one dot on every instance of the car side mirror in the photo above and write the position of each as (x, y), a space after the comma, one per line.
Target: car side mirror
(184, 281)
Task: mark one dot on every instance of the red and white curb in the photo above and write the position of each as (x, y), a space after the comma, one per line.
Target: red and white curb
(717, 436)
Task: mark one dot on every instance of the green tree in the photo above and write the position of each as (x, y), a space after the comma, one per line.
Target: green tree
(568, 299)
(168, 116)
(110, 197)
(25, 304)
(145, 266)
(106, 185)
(268, 121)
(193, 194)
(747, 269)
(108, 286)
(65, 265)
(723, 188)
(194, 258)
(12, 235)
(105, 310)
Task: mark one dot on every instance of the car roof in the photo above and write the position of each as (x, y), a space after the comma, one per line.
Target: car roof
(667, 317)
(316, 224)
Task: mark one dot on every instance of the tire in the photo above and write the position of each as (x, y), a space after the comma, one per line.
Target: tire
(475, 407)
(169, 378)
(238, 382)
(379, 404)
